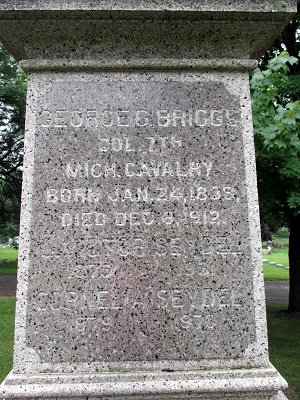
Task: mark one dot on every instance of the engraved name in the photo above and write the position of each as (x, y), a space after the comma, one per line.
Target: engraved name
(179, 246)
(108, 299)
(106, 118)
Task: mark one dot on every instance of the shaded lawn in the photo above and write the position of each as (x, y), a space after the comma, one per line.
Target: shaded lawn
(280, 256)
(272, 273)
(284, 346)
(7, 313)
(10, 267)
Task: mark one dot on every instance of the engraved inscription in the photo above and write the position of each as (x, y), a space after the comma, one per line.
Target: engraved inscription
(106, 299)
(199, 217)
(140, 224)
(151, 169)
(125, 118)
(141, 194)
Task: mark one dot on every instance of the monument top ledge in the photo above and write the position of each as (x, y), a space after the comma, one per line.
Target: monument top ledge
(170, 5)
(147, 34)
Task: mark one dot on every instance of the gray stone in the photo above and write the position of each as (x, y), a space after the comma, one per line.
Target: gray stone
(140, 257)
(138, 223)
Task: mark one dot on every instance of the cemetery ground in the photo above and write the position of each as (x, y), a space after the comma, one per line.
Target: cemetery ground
(277, 256)
(283, 328)
(8, 260)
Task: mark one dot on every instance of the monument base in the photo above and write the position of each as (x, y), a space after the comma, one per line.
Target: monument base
(248, 383)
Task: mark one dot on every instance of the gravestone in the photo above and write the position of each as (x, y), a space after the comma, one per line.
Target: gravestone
(140, 259)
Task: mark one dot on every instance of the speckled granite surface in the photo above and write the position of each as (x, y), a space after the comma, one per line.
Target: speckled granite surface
(140, 268)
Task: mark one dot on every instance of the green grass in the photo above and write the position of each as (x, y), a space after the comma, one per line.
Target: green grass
(284, 345)
(7, 312)
(272, 273)
(6, 253)
(283, 333)
(280, 256)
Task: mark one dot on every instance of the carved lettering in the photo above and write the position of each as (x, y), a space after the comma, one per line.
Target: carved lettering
(125, 118)
(92, 324)
(168, 194)
(145, 198)
(172, 298)
(115, 145)
(86, 170)
(83, 219)
(86, 195)
(168, 169)
(138, 218)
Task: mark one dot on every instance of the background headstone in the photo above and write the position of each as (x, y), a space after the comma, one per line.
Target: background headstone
(140, 257)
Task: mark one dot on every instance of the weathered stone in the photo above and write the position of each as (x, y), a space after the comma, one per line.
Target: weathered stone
(140, 257)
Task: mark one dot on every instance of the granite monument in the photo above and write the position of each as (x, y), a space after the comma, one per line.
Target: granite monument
(140, 272)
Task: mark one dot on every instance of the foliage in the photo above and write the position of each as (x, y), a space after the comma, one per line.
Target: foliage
(282, 233)
(13, 86)
(276, 121)
(287, 41)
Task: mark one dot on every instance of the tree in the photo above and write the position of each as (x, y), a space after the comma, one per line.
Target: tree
(13, 85)
(278, 177)
(289, 42)
(276, 120)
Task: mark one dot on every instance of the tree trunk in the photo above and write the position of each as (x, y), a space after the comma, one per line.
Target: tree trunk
(294, 260)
